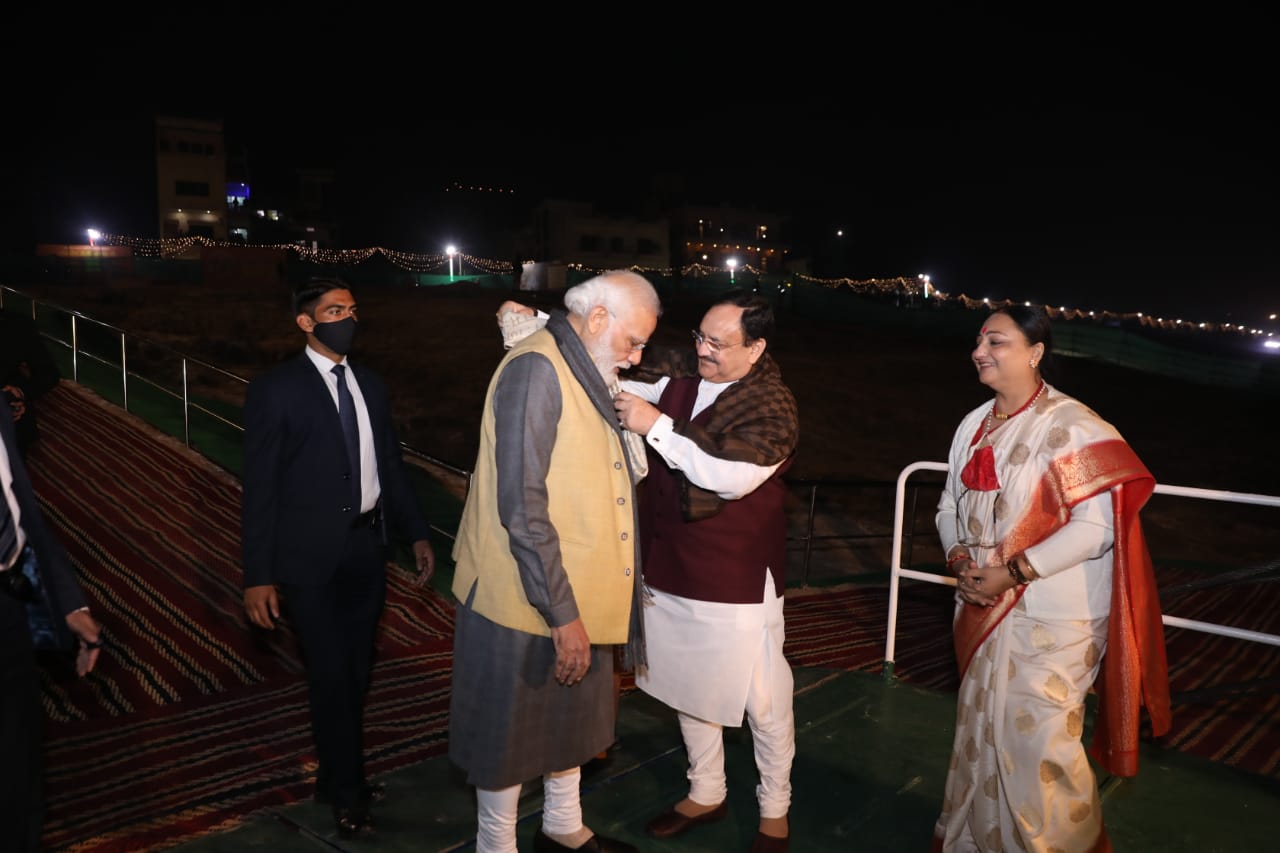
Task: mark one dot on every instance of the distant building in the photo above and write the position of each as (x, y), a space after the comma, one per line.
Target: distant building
(300, 211)
(191, 177)
(572, 232)
(714, 235)
(204, 190)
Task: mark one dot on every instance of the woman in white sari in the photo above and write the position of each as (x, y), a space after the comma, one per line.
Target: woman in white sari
(1039, 521)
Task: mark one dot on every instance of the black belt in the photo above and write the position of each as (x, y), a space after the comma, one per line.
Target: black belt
(372, 518)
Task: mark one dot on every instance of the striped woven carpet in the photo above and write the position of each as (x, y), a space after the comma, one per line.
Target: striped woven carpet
(193, 720)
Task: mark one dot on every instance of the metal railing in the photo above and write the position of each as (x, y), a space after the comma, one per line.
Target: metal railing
(858, 505)
(79, 351)
(896, 571)
(78, 325)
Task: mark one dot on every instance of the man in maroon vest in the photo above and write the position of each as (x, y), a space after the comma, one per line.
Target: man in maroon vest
(720, 433)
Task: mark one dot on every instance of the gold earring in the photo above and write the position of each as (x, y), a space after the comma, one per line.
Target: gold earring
(1033, 365)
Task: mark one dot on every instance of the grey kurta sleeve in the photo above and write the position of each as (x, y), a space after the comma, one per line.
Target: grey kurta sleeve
(526, 408)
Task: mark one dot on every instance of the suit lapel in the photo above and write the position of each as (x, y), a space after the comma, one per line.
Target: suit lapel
(314, 396)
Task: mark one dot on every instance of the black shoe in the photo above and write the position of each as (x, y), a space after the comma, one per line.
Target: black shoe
(542, 843)
(354, 822)
(374, 792)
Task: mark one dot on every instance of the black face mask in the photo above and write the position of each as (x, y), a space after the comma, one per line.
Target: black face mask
(337, 335)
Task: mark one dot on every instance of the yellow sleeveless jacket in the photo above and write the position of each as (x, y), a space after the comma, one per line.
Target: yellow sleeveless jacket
(589, 498)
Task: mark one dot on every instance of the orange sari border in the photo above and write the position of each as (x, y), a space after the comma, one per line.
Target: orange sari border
(974, 623)
(1134, 668)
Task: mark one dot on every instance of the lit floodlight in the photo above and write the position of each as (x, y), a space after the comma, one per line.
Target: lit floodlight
(451, 251)
(94, 236)
(732, 264)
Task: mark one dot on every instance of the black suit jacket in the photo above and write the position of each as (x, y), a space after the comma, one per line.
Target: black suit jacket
(297, 505)
(61, 586)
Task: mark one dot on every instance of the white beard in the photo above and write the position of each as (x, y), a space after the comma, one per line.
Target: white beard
(602, 358)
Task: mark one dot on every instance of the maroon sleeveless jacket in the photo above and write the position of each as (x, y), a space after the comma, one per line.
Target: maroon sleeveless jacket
(724, 557)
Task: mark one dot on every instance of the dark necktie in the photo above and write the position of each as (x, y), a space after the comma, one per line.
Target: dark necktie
(350, 427)
(8, 530)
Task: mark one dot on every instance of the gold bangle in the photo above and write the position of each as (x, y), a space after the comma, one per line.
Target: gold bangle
(1015, 573)
(1028, 571)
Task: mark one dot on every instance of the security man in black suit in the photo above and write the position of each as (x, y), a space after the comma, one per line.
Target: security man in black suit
(27, 372)
(28, 549)
(324, 488)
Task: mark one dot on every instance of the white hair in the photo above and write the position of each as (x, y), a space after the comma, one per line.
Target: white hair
(614, 290)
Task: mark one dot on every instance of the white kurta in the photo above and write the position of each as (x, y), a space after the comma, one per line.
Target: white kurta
(704, 656)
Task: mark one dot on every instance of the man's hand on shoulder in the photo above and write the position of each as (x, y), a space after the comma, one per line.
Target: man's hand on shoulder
(517, 322)
(512, 305)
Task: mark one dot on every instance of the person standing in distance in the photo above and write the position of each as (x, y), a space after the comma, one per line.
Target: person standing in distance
(325, 488)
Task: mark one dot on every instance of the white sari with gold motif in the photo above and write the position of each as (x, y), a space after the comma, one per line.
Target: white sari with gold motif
(1019, 777)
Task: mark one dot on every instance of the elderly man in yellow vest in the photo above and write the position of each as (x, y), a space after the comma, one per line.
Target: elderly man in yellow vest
(547, 567)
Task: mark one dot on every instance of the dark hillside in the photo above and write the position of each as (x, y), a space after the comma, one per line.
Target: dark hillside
(872, 399)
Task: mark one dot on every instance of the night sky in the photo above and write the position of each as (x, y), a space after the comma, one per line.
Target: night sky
(1099, 164)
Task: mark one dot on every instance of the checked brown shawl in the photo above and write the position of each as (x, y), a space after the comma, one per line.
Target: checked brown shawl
(754, 420)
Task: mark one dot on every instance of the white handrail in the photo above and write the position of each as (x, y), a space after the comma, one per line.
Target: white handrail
(896, 571)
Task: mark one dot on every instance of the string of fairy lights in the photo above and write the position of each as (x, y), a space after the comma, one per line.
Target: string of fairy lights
(919, 286)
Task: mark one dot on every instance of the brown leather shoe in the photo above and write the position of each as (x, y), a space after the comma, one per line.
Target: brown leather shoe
(671, 823)
(770, 844)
